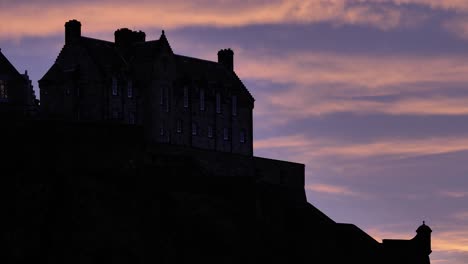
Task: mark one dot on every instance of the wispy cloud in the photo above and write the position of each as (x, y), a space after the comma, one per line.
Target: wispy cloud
(334, 190)
(328, 83)
(309, 148)
(48, 17)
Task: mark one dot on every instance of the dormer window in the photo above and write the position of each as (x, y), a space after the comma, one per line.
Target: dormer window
(130, 89)
(115, 87)
(3, 90)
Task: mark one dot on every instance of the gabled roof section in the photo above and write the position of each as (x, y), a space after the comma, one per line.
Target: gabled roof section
(197, 69)
(6, 67)
(102, 52)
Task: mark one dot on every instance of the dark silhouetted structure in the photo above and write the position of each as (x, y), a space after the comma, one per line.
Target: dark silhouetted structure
(17, 98)
(98, 182)
(180, 100)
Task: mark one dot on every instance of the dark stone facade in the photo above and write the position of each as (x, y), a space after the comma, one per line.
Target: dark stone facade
(17, 98)
(98, 182)
(179, 100)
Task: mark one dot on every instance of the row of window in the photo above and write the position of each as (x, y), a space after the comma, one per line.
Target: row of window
(195, 131)
(202, 101)
(117, 115)
(115, 88)
(3, 90)
(164, 97)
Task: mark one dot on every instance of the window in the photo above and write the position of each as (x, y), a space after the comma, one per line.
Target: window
(161, 96)
(242, 136)
(166, 99)
(161, 130)
(67, 91)
(194, 129)
(186, 97)
(210, 131)
(130, 89)
(179, 126)
(115, 88)
(226, 133)
(218, 103)
(202, 100)
(3, 90)
(234, 105)
(115, 114)
(131, 118)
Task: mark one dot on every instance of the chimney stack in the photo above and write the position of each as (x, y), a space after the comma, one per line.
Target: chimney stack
(124, 37)
(72, 31)
(226, 58)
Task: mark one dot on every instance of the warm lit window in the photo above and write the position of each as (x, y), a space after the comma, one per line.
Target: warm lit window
(179, 126)
(226, 133)
(194, 129)
(186, 96)
(130, 89)
(234, 105)
(115, 87)
(202, 99)
(242, 136)
(218, 103)
(210, 131)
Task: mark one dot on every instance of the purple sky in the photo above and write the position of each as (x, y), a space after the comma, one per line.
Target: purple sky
(371, 95)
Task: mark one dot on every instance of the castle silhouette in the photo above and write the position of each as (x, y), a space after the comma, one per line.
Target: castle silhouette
(138, 155)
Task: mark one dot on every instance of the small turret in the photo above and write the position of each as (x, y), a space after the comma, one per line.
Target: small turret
(226, 58)
(72, 31)
(423, 238)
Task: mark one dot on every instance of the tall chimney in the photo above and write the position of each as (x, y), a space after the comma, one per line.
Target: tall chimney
(226, 58)
(72, 31)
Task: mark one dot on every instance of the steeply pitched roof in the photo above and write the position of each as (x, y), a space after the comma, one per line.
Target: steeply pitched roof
(102, 52)
(6, 67)
(195, 68)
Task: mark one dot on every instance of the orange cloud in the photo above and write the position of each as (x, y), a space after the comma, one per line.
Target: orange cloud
(312, 148)
(333, 189)
(329, 83)
(38, 19)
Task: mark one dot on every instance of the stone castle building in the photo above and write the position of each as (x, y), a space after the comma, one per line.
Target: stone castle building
(17, 98)
(178, 99)
(141, 155)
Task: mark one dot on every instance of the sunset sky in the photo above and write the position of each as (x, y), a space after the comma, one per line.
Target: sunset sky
(371, 95)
